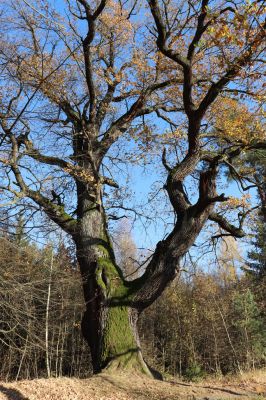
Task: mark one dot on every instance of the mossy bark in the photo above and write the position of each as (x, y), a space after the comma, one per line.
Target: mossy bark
(109, 322)
(121, 348)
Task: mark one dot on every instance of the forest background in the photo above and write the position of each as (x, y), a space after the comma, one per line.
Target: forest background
(204, 323)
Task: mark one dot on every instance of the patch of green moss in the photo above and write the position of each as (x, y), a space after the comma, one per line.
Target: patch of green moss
(118, 342)
(99, 279)
(120, 349)
(116, 289)
(104, 251)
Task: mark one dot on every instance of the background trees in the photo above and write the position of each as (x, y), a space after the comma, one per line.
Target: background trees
(29, 336)
(257, 264)
(200, 327)
(203, 323)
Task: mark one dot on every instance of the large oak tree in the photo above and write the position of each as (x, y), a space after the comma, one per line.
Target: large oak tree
(79, 79)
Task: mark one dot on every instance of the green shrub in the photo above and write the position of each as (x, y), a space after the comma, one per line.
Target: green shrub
(194, 373)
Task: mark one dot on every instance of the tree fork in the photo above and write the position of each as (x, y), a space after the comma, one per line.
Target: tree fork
(109, 324)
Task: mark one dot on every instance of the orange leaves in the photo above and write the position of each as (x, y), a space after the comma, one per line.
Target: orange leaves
(236, 202)
(81, 174)
(142, 66)
(235, 26)
(40, 70)
(233, 121)
(114, 22)
(231, 31)
(226, 35)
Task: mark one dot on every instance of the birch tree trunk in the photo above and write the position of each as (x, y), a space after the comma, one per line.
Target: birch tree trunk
(47, 359)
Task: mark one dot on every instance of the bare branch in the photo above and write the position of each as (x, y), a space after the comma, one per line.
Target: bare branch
(227, 226)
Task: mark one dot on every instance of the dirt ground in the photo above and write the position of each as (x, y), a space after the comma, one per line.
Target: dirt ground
(133, 387)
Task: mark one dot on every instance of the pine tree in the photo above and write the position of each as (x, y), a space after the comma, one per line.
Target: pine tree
(249, 324)
(257, 255)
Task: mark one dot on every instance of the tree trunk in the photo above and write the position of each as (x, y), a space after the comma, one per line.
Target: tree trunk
(109, 322)
(113, 304)
(113, 338)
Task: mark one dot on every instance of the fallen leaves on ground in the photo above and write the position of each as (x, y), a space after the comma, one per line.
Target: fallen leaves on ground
(134, 387)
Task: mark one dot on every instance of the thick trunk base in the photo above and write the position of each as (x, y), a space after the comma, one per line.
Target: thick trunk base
(129, 363)
(118, 347)
(121, 342)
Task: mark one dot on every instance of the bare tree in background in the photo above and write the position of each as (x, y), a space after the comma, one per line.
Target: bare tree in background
(126, 250)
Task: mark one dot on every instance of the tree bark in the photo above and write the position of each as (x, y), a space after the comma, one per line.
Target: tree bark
(109, 323)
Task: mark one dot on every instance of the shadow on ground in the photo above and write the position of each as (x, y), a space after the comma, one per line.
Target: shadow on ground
(135, 392)
(176, 391)
(12, 394)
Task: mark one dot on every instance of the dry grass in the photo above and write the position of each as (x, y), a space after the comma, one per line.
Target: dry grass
(133, 387)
